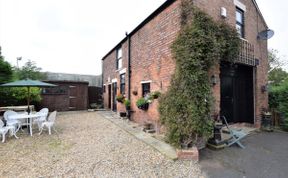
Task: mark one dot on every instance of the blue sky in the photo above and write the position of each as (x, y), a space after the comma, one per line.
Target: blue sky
(72, 36)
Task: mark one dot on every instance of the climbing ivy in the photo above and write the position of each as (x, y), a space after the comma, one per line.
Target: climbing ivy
(186, 108)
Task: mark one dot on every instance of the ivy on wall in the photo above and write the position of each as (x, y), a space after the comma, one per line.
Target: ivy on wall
(186, 108)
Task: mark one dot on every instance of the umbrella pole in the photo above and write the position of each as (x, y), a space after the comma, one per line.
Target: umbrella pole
(28, 99)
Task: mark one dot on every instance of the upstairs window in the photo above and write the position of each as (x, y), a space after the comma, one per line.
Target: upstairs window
(145, 89)
(122, 84)
(118, 58)
(240, 22)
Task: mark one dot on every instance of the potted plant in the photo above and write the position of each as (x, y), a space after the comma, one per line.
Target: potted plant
(155, 94)
(120, 98)
(127, 104)
(142, 103)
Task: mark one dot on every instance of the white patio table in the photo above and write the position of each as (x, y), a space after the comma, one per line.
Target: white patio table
(29, 119)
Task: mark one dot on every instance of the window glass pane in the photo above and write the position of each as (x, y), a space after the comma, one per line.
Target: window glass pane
(119, 53)
(145, 89)
(119, 58)
(239, 16)
(240, 31)
(119, 63)
(122, 84)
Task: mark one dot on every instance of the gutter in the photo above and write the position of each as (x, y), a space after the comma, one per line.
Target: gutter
(129, 68)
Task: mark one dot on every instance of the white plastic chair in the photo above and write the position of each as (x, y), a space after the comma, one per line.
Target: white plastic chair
(12, 122)
(49, 123)
(44, 112)
(5, 129)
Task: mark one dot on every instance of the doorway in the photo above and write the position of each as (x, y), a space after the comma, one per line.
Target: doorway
(114, 93)
(109, 96)
(237, 96)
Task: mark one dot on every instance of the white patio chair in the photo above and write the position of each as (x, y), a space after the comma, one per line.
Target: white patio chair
(12, 122)
(5, 129)
(44, 112)
(49, 123)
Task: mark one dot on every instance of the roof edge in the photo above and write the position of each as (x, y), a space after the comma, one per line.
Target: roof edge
(144, 22)
(260, 13)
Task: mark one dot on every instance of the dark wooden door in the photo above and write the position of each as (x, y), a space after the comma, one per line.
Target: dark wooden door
(237, 100)
(109, 96)
(72, 97)
(114, 93)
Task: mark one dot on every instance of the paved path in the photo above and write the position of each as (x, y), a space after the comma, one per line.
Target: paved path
(87, 145)
(137, 132)
(265, 156)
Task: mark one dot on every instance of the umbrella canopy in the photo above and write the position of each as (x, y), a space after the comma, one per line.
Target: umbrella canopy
(28, 83)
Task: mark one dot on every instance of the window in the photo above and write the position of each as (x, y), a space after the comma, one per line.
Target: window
(119, 58)
(122, 84)
(104, 88)
(145, 89)
(59, 90)
(240, 22)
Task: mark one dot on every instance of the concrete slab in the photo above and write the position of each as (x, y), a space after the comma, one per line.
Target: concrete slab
(265, 156)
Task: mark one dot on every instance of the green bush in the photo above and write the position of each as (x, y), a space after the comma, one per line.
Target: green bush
(18, 96)
(186, 107)
(278, 100)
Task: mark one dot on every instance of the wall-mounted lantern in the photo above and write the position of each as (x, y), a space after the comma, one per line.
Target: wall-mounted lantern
(264, 88)
(213, 80)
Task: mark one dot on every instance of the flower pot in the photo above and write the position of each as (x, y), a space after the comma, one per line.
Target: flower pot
(123, 114)
(144, 106)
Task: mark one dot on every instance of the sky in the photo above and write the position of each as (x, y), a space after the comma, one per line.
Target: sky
(72, 36)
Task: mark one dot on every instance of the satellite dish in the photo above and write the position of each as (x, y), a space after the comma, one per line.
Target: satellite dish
(265, 35)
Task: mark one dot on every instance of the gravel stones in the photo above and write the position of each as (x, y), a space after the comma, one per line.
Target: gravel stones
(87, 145)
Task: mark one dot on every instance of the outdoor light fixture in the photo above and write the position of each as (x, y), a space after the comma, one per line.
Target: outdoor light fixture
(213, 80)
(264, 88)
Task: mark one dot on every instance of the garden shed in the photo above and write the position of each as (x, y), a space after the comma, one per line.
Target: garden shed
(67, 96)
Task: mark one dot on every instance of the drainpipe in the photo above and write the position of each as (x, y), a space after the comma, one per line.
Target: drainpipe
(129, 69)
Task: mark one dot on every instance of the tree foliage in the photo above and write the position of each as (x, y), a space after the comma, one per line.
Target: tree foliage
(6, 72)
(278, 100)
(14, 96)
(18, 95)
(31, 71)
(276, 74)
(186, 108)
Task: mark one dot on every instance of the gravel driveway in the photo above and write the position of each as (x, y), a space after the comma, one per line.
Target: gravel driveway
(87, 145)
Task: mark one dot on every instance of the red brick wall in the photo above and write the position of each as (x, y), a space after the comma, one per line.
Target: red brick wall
(151, 57)
(253, 25)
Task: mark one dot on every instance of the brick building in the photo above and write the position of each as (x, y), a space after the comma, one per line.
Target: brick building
(142, 62)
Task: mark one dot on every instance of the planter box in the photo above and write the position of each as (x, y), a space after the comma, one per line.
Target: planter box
(144, 107)
(188, 154)
(123, 114)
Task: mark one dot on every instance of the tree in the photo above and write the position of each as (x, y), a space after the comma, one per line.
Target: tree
(31, 71)
(277, 76)
(6, 72)
(273, 59)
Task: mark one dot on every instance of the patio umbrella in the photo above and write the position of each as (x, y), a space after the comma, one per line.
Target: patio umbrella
(28, 83)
